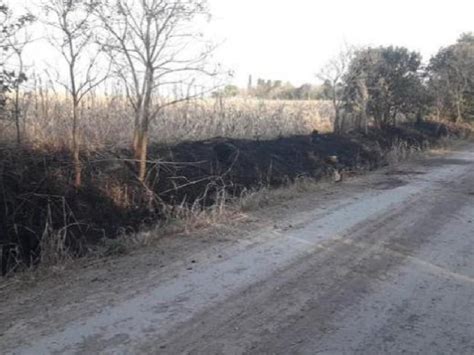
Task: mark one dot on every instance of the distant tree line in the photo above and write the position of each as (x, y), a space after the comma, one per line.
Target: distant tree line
(451, 80)
(384, 85)
(276, 90)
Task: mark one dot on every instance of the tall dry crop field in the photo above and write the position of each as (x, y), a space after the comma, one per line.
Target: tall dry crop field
(108, 120)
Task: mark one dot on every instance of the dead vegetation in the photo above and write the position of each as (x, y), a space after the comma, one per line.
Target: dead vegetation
(189, 185)
(105, 120)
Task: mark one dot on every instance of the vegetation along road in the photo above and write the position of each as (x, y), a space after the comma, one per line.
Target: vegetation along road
(380, 264)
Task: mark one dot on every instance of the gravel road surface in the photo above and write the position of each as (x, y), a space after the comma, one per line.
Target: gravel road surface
(383, 263)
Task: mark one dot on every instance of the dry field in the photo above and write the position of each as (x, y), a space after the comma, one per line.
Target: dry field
(108, 120)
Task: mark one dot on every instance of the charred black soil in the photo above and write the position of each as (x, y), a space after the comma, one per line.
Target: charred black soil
(38, 200)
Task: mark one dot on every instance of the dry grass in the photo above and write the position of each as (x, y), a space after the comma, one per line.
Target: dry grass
(402, 151)
(108, 120)
(227, 211)
(181, 220)
(190, 219)
(267, 196)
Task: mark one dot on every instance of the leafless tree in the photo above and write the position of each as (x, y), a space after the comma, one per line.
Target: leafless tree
(333, 73)
(73, 36)
(14, 38)
(157, 50)
(17, 43)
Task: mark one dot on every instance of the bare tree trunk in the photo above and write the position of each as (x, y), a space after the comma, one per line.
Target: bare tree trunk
(144, 122)
(458, 109)
(364, 98)
(337, 116)
(17, 97)
(342, 123)
(138, 143)
(136, 139)
(17, 114)
(378, 120)
(364, 119)
(366, 124)
(337, 123)
(136, 131)
(76, 146)
(143, 151)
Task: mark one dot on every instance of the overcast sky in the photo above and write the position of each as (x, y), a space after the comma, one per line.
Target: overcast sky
(291, 39)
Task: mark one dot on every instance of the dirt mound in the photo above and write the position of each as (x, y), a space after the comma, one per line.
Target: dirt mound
(38, 201)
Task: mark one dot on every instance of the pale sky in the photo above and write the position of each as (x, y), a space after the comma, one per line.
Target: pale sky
(290, 40)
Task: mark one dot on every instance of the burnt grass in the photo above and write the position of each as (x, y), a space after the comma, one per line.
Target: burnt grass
(37, 198)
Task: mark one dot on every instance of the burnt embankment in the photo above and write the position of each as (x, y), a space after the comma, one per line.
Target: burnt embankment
(39, 207)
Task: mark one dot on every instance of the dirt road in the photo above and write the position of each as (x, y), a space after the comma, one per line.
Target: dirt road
(381, 264)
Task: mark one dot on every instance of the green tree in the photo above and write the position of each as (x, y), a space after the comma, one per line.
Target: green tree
(228, 91)
(231, 91)
(383, 83)
(451, 79)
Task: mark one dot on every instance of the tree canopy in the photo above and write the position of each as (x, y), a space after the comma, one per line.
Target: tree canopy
(451, 73)
(383, 83)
